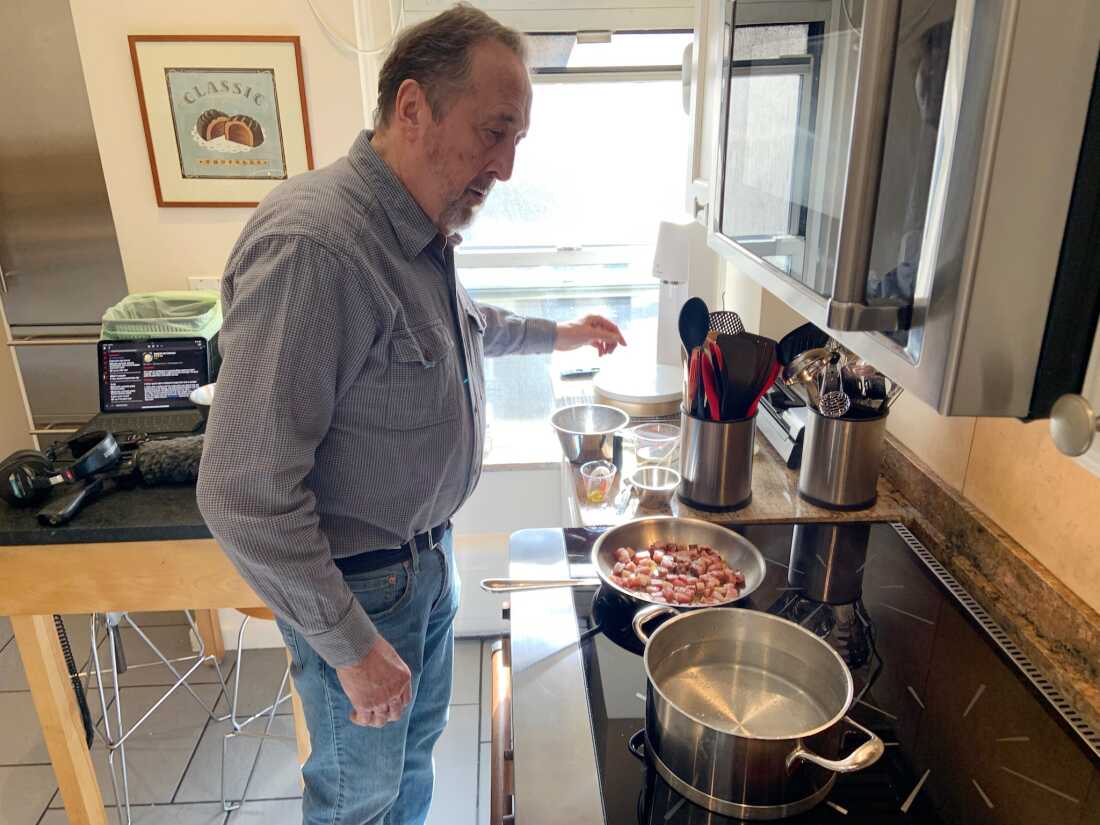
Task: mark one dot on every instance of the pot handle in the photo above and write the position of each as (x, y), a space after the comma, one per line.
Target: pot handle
(862, 757)
(636, 745)
(643, 616)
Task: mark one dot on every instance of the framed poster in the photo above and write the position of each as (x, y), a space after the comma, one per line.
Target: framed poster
(224, 115)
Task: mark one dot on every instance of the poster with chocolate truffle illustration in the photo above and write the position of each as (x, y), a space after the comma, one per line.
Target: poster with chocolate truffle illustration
(224, 116)
(226, 123)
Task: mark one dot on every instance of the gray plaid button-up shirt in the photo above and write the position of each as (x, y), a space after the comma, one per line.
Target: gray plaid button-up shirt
(350, 408)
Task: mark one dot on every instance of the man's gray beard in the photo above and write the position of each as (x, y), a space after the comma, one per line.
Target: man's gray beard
(456, 216)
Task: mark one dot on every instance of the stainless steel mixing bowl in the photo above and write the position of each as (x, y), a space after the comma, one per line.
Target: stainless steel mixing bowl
(586, 430)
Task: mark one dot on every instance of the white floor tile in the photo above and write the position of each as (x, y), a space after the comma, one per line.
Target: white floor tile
(22, 741)
(205, 814)
(24, 793)
(263, 671)
(159, 751)
(466, 670)
(11, 664)
(484, 777)
(455, 798)
(277, 812)
(11, 668)
(277, 774)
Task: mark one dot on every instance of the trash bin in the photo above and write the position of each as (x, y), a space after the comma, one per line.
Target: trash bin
(168, 314)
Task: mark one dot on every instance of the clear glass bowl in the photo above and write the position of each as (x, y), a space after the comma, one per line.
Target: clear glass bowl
(656, 442)
(598, 478)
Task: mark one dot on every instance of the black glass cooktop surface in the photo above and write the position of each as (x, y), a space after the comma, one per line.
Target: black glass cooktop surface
(970, 736)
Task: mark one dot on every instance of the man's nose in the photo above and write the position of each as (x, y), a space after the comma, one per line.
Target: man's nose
(503, 161)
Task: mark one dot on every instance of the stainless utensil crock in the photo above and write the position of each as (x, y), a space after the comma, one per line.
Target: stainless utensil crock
(841, 458)
(586, 431)
(763, 699)
(716, 462)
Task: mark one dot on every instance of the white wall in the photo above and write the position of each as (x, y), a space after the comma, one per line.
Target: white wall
(162, 247)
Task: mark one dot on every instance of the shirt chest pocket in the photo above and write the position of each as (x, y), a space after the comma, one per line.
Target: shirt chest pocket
(423, 384)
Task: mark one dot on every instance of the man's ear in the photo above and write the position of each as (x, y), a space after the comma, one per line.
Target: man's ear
(411, 111)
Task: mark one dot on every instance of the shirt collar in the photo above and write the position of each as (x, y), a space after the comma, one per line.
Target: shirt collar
(414, 229)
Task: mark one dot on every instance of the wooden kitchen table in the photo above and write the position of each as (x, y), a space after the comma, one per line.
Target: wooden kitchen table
(145, 549)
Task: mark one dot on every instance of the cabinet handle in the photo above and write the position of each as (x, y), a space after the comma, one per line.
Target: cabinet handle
(847, 309)
(1073, 424)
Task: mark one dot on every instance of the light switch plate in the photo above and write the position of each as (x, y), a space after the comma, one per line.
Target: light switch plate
(205, 282)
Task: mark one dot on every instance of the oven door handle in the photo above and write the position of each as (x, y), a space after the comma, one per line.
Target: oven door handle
(847, 308)
(502, 779)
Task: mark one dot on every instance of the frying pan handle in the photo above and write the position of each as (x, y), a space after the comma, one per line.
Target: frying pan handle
(862, 757)
(643, 617)
(512, 585)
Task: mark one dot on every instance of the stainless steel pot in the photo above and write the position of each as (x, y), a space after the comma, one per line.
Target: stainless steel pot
(586, 431)
(737, 551)
(745, 712)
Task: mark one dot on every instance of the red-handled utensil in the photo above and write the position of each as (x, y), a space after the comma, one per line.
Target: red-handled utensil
(693, 380)
(710, 386)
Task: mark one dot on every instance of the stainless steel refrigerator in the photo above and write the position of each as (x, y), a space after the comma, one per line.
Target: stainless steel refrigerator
(59, 255)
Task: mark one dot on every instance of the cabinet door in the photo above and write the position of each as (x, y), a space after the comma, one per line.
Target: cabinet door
(702, 69)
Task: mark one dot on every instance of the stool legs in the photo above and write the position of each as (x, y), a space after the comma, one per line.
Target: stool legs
(238, 725)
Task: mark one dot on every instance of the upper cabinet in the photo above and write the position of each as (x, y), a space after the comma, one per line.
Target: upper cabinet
(900, 172)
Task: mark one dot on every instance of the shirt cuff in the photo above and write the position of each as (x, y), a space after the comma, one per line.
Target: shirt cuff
(541, 335)
(349, 641)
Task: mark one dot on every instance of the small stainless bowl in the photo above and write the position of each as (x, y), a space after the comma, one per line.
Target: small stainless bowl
(655, 486)
(586, 430)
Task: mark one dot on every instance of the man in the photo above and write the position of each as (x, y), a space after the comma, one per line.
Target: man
(350, 410)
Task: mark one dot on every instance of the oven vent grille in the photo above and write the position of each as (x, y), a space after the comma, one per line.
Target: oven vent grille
(1041, 683)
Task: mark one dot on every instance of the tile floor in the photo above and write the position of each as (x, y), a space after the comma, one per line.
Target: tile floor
(174, 759)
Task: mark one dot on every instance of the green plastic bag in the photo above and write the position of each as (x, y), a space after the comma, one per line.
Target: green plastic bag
(172, 313)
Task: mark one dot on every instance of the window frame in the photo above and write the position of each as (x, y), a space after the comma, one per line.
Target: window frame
(564, 256)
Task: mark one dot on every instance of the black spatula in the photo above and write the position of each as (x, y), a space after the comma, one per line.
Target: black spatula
(739, 370)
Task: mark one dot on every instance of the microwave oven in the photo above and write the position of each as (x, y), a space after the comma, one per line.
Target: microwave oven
(921, 178)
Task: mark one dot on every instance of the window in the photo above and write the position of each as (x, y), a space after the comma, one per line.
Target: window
(603, 163)
(572, 232)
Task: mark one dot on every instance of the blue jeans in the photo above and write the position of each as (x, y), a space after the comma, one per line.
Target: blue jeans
(382, 776)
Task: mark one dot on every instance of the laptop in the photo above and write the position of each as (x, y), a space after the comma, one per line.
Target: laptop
(144, 385)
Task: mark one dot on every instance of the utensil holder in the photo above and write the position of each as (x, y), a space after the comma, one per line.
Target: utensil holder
(716, 462)
(841, 458)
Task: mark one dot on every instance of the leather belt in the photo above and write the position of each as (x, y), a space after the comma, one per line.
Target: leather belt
(371, 560)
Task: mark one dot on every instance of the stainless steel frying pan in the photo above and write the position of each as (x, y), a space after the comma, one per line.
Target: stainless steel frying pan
(737, 551)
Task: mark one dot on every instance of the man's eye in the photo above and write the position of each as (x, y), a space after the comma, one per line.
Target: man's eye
(495, 134)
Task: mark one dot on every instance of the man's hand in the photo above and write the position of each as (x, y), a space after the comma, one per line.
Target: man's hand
(379, 686)
(591, 329)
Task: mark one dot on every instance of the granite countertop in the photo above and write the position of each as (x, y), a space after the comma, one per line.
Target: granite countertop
(774, 498)
(138, 514)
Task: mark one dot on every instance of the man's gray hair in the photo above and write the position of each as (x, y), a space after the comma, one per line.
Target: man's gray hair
(437, 54)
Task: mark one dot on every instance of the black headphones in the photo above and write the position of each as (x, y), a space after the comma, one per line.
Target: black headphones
(28, 476)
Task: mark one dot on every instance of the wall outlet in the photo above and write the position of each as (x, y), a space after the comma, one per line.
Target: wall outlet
(213, 282)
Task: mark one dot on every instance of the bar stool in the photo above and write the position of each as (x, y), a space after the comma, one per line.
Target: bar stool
(114, 734)
(239, 725)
